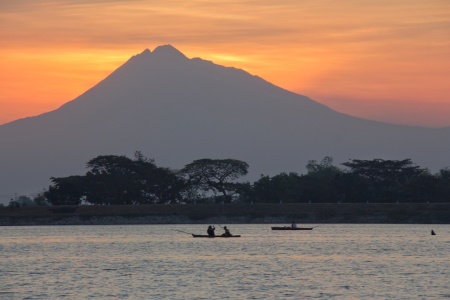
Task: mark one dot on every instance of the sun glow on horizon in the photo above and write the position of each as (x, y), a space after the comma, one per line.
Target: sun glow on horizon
(346, 55)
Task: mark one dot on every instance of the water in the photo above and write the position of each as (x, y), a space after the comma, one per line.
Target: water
(156, 262)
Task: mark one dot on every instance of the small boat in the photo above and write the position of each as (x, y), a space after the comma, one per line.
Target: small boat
(290, 228)
(216, 236)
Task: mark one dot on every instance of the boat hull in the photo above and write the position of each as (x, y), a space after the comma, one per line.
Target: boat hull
(211, 237)
(290, 228)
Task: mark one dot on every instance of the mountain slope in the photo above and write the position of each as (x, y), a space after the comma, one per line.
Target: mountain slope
(176, 109)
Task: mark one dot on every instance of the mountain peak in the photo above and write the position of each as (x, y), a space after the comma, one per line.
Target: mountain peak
(163, 54)
(146, 52)
(168, 52)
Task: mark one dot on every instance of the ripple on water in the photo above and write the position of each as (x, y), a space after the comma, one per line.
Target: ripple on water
(154, 262)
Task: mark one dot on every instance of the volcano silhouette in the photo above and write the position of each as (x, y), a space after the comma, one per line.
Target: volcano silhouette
(175, 110)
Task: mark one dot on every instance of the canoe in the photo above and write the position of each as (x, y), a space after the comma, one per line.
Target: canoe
(290, 228)
(216, 236)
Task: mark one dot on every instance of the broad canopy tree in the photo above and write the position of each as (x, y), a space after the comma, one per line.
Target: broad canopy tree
(215, 175)
(282, 187)
(113, 179)
(385, 178)
(391, 172)
(66, 190)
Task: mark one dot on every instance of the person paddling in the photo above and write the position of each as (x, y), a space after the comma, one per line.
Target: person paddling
(210, 230)
(227, 232)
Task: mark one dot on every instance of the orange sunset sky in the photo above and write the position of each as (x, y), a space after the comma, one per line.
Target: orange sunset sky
(386, 60)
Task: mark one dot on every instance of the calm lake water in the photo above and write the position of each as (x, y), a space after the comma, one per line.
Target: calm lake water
(157, 262)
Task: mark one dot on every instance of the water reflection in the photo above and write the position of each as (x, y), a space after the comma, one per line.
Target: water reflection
(155, 262)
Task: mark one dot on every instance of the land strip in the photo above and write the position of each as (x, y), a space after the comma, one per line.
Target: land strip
(407, 213)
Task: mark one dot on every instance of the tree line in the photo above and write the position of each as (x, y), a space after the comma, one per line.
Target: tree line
(119, 180)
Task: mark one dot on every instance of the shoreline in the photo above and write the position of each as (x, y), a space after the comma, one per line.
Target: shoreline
(302, 213)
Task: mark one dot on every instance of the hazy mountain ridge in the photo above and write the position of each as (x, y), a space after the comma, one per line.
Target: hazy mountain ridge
(176, 109)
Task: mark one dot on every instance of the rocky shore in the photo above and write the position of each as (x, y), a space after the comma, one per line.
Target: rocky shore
(407, 213)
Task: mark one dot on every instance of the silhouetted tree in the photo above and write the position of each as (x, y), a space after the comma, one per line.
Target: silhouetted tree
(387, 177)
(21, 201)
(121, 180)
(215, 175)
(41, 200)
(321, 181)
(324, 169)
(282, 187)
(423, 187)
(66, 190)
(443, 188)
(112, 179)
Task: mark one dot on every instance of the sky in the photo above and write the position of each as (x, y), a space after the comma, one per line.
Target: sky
(385, 60)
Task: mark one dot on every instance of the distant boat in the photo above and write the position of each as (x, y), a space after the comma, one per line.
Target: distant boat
(290, 228)
(215, 236)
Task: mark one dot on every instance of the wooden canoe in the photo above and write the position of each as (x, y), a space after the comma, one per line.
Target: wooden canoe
(216, 236)
(290, 228)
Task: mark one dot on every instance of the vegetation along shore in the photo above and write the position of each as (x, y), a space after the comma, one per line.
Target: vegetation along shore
(120, 190)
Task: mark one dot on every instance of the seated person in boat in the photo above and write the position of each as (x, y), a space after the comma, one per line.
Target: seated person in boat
(210, 230)
(227, 232)
(293, 225)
